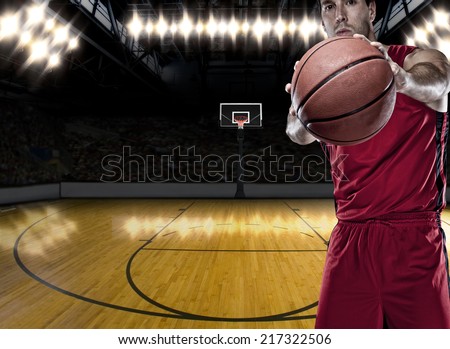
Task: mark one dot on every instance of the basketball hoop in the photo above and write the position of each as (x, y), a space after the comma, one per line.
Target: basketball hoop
(240, 115)
(240, 119)
(232, 114)
(240, 124)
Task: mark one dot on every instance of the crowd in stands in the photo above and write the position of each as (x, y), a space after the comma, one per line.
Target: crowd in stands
(24, 131)
(158, 149)
(38, 147)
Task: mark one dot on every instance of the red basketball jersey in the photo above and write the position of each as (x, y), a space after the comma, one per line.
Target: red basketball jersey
(401, 169)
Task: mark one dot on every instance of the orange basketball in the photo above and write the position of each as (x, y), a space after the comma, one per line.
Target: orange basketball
(343, 91)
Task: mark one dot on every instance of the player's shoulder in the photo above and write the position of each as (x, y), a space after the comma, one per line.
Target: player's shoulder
(420, 55)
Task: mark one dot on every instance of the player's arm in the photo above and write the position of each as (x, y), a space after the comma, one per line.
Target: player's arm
(295, 129)
(425, 77)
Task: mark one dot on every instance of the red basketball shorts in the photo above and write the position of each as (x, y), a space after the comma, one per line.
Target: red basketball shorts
(387, 272)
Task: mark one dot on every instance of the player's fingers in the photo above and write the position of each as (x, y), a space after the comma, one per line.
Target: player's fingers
(381, 48)
(376, 44)
(295, 65)
(362, 37)
(287, 88)
(292, 111)
(395, 67)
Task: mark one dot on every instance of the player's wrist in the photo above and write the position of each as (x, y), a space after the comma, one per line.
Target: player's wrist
(402, 80)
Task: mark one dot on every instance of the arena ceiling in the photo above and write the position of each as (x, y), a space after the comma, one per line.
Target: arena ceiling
(115, 58)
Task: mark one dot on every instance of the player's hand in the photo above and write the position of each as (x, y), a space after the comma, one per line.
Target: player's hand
(292, 113)
(288, 86)
(294, 128)
(400, 75)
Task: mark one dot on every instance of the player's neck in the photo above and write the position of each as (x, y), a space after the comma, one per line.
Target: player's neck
(372, 36)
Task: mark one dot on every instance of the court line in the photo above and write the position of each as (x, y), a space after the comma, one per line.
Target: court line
(21, 264)
(276, 317)
(173, 232)
(240, 251)
(309, 225)
(281, 227)
(69, 293)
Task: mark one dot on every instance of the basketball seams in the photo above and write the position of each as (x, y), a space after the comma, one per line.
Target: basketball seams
(332, 76)
(360, 139)
(357, 110)
(330, 79)
(313, 51)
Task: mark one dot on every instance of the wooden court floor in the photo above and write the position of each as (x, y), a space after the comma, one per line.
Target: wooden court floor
(164, 263)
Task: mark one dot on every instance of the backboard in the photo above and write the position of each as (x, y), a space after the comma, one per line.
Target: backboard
(231, 113)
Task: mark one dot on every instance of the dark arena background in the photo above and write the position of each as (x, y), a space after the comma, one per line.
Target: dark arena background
(123, 200)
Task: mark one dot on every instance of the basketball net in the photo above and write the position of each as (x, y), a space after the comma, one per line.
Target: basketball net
(241, 120)
(240, 124)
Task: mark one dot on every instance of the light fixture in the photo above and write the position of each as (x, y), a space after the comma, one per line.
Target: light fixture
(186, 26)
(161, 27)
(39, 50)
(135, 26)
(34, 31)
(9, 25)
(433, 34)
(54, 60)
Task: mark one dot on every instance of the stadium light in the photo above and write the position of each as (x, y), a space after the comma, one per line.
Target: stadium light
(307, 28)
(444, 46)
(73, 43)
(245, 27)
(211, 27)
(25, 38)
(430, 27)
(223, 27)
(215, 26)
(233, 27)
(410, 41)
(35, 14)
(50, 24)
(173, 28)
(162, 27)
(39, 50)
(135, 26)
(433, 34)
(39, 34)
(258, 27)
(54, 60)
(186, 26)
(280, 28)
(441, 18)
(267, 27)
(420, 35)
(292, 27)
(149, 28)
(199, 28)
(61, 34)
(9, 25)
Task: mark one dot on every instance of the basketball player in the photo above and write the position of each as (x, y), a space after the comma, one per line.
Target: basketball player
(387, 264)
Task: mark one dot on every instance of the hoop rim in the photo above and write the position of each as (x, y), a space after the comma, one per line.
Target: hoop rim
(241, 123)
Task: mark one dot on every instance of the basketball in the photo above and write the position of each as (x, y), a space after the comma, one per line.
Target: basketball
(343, 91)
